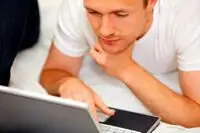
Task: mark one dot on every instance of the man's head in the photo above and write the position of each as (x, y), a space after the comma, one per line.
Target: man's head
(119, 23)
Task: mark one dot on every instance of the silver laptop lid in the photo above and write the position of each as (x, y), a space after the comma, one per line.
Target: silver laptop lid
(27, 112)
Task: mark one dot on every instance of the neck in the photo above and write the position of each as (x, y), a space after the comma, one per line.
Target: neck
(148, 25)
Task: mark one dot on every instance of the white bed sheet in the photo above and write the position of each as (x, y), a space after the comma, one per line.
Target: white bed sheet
(28, 64)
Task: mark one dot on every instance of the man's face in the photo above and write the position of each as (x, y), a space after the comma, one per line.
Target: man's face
(117, 23)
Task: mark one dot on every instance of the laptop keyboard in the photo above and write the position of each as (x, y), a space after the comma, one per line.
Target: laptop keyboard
(113, 129)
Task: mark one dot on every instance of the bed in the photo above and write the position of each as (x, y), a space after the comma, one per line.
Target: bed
(28, 64)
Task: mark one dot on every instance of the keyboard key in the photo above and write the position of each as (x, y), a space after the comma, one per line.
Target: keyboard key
(113, 129)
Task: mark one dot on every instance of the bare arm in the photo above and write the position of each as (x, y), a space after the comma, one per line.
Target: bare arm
(59, 78)
(162, 101)
(171, 107)
(57, 69)
(190, 84)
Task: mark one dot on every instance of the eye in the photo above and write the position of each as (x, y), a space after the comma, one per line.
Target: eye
(94, 13)
(122, 15)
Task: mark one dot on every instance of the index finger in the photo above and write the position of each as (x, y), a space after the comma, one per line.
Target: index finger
(102, 106)
(93, 110)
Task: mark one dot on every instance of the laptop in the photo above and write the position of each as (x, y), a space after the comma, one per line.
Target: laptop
(27, 112)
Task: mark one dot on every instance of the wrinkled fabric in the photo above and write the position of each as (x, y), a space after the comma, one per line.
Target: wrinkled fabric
(19, 29)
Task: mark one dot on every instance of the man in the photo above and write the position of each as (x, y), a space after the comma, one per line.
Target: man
(162, 36)
(19, 29)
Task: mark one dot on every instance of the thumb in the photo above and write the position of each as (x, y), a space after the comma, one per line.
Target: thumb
(97, 56)
(93, 110)
(102, 106)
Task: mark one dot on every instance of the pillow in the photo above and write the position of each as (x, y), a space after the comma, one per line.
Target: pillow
(28, 64)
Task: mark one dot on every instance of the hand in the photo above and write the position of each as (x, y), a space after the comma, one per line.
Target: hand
(113, 64)
(77, 90)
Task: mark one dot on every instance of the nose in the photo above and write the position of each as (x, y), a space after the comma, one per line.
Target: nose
(106, 27)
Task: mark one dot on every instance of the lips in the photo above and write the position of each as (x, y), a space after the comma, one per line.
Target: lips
(108, 41)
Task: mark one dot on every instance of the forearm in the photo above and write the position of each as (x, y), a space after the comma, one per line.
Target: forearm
(51, 79)
(171, 107)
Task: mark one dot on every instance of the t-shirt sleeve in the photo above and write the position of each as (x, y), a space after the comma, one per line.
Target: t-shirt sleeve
(188, 39)
(69, 38)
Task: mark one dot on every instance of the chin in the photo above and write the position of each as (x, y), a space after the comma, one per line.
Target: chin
(113, 50)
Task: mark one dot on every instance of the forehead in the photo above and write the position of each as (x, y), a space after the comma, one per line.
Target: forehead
(109, 5)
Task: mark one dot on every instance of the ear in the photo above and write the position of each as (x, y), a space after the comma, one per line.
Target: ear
(152, 1)
(151, 4)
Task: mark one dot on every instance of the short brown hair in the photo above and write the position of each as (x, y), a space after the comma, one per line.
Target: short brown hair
(146, 2)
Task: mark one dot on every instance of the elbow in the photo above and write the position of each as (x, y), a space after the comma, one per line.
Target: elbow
(191, 118)
(191, 123)
(48, 83)
(187, 121)
(42, 80)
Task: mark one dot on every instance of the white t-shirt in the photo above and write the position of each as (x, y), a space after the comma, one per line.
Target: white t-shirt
(172, 42)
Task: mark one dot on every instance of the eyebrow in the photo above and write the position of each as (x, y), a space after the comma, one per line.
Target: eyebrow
(115, 11)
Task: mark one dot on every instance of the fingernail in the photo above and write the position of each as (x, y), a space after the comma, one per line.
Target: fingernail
(113, 111)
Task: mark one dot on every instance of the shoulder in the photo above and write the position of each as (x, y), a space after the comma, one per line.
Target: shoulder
(180, 4)
(73, 3)
(181, 15)
(72, 8)
(181, 22)
(186, 15)
(180, 8)
(186, 23)
(71, 13)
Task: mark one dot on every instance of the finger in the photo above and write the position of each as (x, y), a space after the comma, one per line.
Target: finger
(99, 58)
(90, 103)
(102, 106)
(78, 98)
(93, 111)
(94, 54)
(98, 48)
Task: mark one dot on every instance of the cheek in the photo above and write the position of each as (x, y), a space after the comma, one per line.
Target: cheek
(132, 26)
(122, 46)
(131, 29)
(94, 23)
(128, 35)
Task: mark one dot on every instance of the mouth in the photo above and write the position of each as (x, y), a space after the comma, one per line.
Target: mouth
(108, 41)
